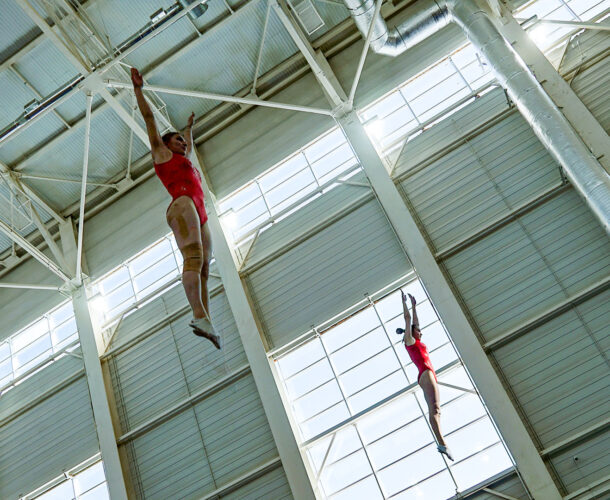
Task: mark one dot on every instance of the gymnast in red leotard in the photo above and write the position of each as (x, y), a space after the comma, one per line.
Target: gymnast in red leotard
(186, 214)
(426, 377)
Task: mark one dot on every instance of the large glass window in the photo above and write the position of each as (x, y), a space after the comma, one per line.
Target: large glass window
(33, 345)
(287, 185)
(363, 421)
(548, 35)
(136, 279)
(425, 99)
(85, 482)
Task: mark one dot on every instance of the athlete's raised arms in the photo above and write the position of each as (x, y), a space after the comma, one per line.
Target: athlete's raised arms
(415, 321)
(160, 151)
(188, 134)
(407, 338)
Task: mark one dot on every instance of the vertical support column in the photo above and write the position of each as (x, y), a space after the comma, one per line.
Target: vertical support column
(99, 401)
(292, 460)
(524, 451)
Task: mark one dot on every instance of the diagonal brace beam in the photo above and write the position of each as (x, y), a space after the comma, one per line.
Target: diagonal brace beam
(315, 59)
(37, 254)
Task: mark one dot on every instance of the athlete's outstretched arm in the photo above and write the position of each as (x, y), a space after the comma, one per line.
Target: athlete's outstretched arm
(407, 337)
(413, 304)
(156, 144)
(188, 134)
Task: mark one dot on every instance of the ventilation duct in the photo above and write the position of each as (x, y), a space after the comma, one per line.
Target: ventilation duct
(426, 17)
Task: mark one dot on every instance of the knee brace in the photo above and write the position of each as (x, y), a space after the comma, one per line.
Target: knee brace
(193, 257)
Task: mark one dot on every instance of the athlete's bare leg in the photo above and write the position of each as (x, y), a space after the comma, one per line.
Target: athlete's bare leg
(428, 384)
(183, 219)
(206, 242)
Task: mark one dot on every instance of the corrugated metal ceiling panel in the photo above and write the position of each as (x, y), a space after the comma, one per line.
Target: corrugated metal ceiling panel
(16, 29)
(15, 95)
(162, 44)
(19, 146)
(119, 19)
(227, 58)
(108, 153)
(46, 68)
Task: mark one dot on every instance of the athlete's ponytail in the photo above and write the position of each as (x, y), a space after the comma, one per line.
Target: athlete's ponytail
(400, 331)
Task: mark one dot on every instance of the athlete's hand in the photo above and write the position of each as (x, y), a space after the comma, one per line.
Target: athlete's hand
(136, 78)
(413, 301)
(403, 296)
(189, 122)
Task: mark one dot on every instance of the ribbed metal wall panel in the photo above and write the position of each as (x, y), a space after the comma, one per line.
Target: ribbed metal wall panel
(593, 463)
(559, 369)
(327, 273)
(531, 264)
(482, 179)
(235, 430)
(204, 447)
(272, 486)
(52, 375)
(589, 43)
(170, 364)
(591, 86)
(510, 486)
(469, 119)
(51, 437)
(170, 462)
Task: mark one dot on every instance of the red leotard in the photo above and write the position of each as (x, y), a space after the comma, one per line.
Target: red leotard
(180, 178)
(418, 353)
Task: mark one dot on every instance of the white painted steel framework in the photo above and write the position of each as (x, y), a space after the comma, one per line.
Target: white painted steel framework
(224, 98)
(522, 448)
(92, 346)
(579, 116)
(294, 465)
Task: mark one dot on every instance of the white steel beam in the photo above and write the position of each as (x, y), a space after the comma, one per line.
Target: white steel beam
(365, 49)
(522, 448)
(579, 116)
(30, 193)
(31, 249)
(70, 54)
(83, 193)
(6, 284)
(90, 346)
(573, 24)
(225, 98)
(123, 114)
(15, 182)
(292, 460)
(316, 60)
